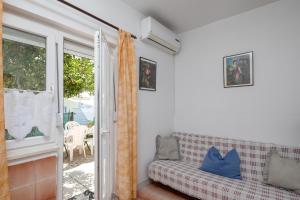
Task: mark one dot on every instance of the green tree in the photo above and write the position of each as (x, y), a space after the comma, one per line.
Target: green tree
(24, 66)
(78, 75)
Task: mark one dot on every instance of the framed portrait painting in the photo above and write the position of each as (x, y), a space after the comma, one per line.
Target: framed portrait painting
(238, 70)
(147, 79)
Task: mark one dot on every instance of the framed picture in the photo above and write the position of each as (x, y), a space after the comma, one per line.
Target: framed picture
(147, 79)
(238, 70)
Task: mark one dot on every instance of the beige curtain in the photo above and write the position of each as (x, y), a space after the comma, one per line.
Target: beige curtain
(4, 189)
(126, 165)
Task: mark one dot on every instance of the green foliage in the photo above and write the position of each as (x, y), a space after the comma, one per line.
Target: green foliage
(91, 123)
(24, 66)
(33, 133)
(8, 136)
(78, 75)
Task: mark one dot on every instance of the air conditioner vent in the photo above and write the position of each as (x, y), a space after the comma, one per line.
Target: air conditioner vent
(155, 33)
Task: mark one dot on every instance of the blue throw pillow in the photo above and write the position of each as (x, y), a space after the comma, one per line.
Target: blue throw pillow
(229, 166)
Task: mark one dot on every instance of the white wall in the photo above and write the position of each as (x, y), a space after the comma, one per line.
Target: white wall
(269, 111)
(114, 11)
(155, 109)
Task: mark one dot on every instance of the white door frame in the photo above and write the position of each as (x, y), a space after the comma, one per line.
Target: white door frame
(62, 36)
(104, 113)
(99, 132)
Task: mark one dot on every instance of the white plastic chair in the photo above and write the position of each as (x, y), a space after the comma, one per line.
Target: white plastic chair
(90, 141)
(74, 138)
(71, 124)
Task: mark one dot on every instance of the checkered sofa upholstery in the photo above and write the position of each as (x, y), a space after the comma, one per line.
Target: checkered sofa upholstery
(185, 176)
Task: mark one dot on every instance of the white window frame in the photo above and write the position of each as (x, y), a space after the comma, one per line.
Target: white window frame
(40, 144)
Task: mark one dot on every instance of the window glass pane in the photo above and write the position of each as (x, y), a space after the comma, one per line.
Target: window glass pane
(24, 59)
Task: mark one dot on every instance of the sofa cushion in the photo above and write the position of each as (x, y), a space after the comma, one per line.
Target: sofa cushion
(283, 172)
(187, 178)
(167, 148)
(228, 166)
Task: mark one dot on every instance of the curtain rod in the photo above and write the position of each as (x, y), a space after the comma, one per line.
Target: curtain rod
(93, 16)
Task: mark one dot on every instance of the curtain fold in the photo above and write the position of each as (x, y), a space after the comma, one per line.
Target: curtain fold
(126, 161)
(4, 186)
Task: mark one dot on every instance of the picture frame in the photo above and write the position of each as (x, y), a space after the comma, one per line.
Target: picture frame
(147, 74)
(238, 70)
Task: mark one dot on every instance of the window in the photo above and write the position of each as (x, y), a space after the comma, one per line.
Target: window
(24, 59)
(31, 61)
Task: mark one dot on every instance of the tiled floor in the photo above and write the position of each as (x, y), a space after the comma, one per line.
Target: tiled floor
(78, 175)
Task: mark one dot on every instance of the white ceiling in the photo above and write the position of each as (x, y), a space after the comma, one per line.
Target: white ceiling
(184, 15)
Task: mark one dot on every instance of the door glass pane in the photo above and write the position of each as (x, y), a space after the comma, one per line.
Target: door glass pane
(24, 59)
(79, 119)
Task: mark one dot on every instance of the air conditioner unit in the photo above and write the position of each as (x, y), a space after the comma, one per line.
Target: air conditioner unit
(155, 33)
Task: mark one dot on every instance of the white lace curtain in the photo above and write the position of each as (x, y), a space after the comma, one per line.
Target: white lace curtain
(25, 110)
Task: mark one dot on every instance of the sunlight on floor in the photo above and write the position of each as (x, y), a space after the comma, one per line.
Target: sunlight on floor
(78, 179)
(78, 175)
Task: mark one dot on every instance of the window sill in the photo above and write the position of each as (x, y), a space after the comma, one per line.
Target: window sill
(19, 156)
